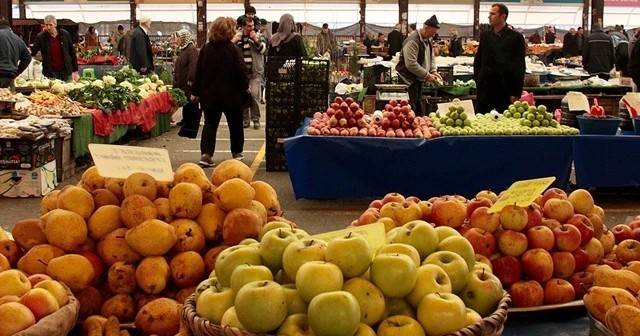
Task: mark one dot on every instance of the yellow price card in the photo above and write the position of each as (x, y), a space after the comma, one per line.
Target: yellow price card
(121, 161)
(523, 193)
(374, 233)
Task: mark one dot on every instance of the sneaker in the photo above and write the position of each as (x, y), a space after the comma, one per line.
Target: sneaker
(237, 156)
(206, 161)
(245, 124)
(256, 125)
(180, 123)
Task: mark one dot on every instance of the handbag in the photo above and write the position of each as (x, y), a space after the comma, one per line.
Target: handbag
(191, 114)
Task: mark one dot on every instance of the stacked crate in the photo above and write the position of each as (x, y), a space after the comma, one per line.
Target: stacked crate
(295, 89)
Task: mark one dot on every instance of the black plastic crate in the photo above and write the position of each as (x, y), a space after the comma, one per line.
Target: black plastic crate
(276, 135)
(276, 162)
(314, 95)
(282, 116)
(314, 71)
(281, 93)
(282, 69)
(307, 112)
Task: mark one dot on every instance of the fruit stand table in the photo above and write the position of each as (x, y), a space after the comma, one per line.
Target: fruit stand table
(571, 321)
(326, 167)
(607, 161)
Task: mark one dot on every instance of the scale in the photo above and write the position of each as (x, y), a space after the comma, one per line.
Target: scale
(387, 92)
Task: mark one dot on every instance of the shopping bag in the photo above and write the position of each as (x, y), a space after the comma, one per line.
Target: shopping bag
(191, 114)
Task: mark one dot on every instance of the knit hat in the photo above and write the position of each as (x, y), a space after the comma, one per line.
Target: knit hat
(433, 22)
(325, 26)
(184, 38)
(250, 9)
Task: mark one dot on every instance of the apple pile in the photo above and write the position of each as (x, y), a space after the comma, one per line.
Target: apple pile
(541, 253)
(26, 300)
(627, 240)
(424, 281)
(121, 244)
(346, 118)
(455, 122)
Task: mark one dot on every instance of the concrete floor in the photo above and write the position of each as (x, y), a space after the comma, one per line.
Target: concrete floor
(314, 216)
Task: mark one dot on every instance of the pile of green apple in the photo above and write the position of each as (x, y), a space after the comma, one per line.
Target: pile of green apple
(455, 121)
(496, 124)
(423, 281)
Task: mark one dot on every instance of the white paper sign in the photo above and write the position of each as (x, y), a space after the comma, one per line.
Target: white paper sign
(633, 100)
(121, 161)
(577, 101)
(443, 108)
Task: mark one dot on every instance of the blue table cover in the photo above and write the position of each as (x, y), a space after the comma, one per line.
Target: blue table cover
(333, 167)
(607, 161)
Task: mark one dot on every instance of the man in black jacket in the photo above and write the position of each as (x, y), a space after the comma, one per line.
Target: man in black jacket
(597, 54)
(570, 44)
(14, 56)
(499, 63)
(140, 54)
(395, 40)
(634, 63)
(58, 54)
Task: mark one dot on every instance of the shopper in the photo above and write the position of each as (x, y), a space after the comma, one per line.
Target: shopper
(253, 47)
(327, 43)
(550, 36)
(621, 50)
(417, 63)
(633, 40)
(140, 54)
(184, 72)
(624, 32)
(535, 38)
(570, 43)
(395, 40)
(580, 40)
(14, 55)
(499, 63)
(264, 29)
(598, 55)
(286, 42)
(634, 61)
(91, 38)
(117, 42)
(367, 42)
(58, 54)
(266, 33)
(249, 12)
(412, 28)
(455, 46)
(220, 84)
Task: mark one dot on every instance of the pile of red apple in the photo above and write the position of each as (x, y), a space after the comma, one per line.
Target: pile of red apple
(541, 253)
(346, 118)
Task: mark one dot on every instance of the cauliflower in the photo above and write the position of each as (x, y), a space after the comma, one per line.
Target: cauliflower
(99, 83)
(79, 85)
(147, 81)
(143, 93)
(162, 89)
(127, 85)
(159, 82)
(58, 89)
(152, 87)
(109, 80)
(141, 80)
(155, 78)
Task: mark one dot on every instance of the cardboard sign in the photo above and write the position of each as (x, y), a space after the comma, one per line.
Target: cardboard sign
(522, 193)
(443, 108)
(577, 101)
(121, 161)
(374, 233)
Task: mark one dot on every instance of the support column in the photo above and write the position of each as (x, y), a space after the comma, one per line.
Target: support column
(22, 9)
(363, 11)
(476, 19)
(597, 12)
(201, 22)
(133, 16)
(403, 16)
(585, 14)
(6, 10)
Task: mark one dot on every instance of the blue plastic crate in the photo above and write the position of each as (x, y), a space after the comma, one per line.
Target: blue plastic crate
(598, 126)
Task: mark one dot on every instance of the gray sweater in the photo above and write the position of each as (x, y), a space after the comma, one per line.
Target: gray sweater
(14, 56)
(410, 51)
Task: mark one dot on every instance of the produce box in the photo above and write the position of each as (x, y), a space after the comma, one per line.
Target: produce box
(26, 154)
(281, 116)
(315, 71)
(274, 155)
(28, 182)
(314, 95)
(282, 69)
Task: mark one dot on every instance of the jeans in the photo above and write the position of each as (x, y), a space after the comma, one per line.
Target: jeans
(7, 83)
(253, 113)
(61, 75)
(211, 122)
(415, 97)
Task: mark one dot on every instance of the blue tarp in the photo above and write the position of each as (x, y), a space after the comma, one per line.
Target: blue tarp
(607, 161)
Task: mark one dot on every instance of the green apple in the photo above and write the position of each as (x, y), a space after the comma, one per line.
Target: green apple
(282, 278)
(364, 330)
(204, 285)
(453, 264)
(233, 257)
(300, 252)
(295, 305)
(272, 226)
(479, 266)
(446, 232)
(393, 307)
(255, 299)
(420, 235)
(317, 277)
(245, 274)
(352, 253)
(431, 279)
(296, 325)
(334, 314)
(482, 293)
(213, 302)
(402, 249)
(272, 247)
(370, 300)
(400, 325)
(230, 318)
(301, 234)
(388, 269)
(462, 247)
(442, 313)
(472, 317)
(248, 241)
(392, 234)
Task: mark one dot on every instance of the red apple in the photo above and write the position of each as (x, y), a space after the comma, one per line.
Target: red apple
(534, 216)
(581, 257)
(512, 243)
(97, 264)
(488, 194)
(538, 265)
(391, 134)
(358, 114)
(399, 133)
(348, 114)
(622, 232)
(393, 102)
(585, 227)
(349, 100)
(508, 269)
(541, 237)
(448, 212)
(482, 241)
(331, 112)
(335, 106)
(351, 122)
(425, 206)
(392, 197)
(564, 264)
(615, 264)
(361, 123)
(338, 100)
(551, 223)
(339, 114)
(353, 107)
(368, 217)
(481, 218)
(404, 102)
(34, 279)
(581, 282)
(558, 291)
(376, 204)
(395, 124)
(344, 107)
(526, 293)
(475, 203)
(334, 131)
(568, 237)
(554, 193)
(560, 210)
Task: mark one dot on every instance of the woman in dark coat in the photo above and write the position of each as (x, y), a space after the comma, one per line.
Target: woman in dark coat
(184, 73)
(286, 42)
(455, 46)
(220, 83)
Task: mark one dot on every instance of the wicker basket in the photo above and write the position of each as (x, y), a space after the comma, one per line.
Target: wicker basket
(59, 323)
(492, 325)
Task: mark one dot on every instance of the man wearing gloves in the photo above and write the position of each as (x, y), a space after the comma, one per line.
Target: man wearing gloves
(499, 63)
(417, 63)
(14, 56)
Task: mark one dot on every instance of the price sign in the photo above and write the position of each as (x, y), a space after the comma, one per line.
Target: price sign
(373, 233)
(121, 161)
(522, 193)
(577, 101)
(443, 108)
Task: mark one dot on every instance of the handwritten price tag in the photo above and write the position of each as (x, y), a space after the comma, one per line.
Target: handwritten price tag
(523, 193)
(121, 161)
(443, 108)
(374, 233)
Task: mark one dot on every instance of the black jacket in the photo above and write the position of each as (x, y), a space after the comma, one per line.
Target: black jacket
(634, 63)
(140, 54)
(455, 47)
(499, 61)
(220, 77)
(395, 40)
(597, 54)
(570, 45)
(294, 47)
(41, 44)
(14, 56)
(184, 69)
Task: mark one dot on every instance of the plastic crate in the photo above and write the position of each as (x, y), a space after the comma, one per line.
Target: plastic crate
(282, 116)
(276, 162)
(282, 69)
(314, 71)
(275, 136)
(307, 112)
(599, 126)
(314, 95)
(446, 72)
(281, 93)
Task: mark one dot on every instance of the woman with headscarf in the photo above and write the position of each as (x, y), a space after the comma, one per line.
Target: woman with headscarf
(91, 38)
(286, 42)
(184, 72)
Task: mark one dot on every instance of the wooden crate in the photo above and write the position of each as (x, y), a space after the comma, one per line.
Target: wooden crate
(369, 105)
(66, 172)
(65, 164)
